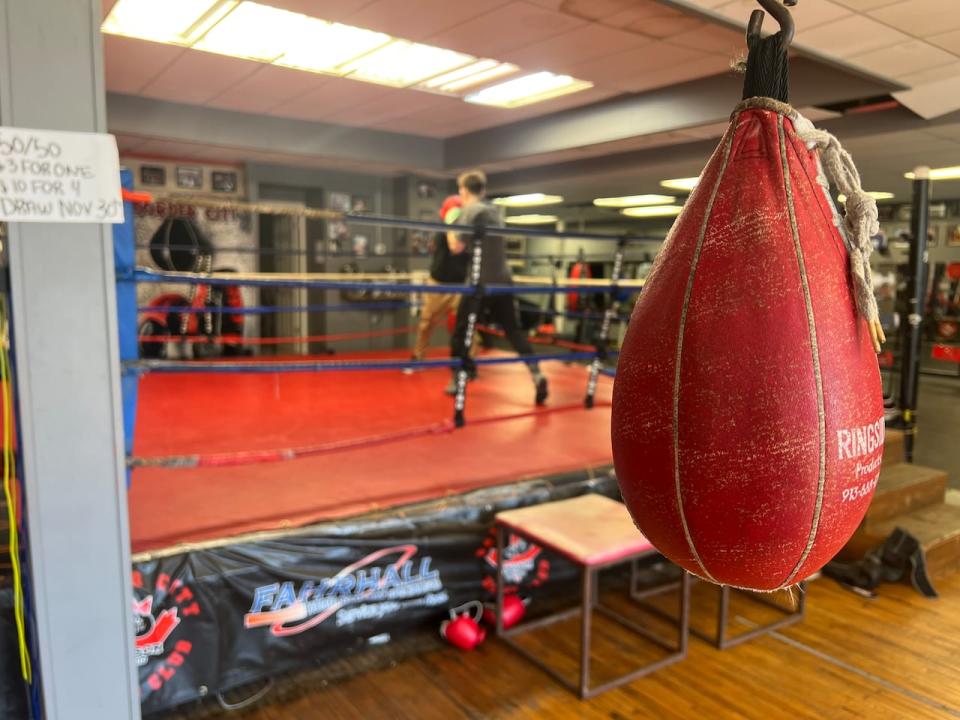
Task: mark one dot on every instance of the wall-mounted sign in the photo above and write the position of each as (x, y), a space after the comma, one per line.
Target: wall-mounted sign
(54, 176)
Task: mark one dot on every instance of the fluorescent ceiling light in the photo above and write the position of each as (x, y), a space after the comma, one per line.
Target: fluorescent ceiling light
(528, 89)
(532, 219)
(633, 201)
(529, 200)
(684, 184)
(875, 194)
(945, 173)
(653, 211)
(258, 32)
(402, 63)
(470, 75)
(170, 21)
(328, 45)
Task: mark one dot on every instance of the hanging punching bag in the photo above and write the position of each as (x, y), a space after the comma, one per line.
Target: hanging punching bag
(747, 408)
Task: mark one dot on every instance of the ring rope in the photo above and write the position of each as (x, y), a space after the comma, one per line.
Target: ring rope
(258, 366)
(263, 208)
(531, 283)
(269, 309)
(235, 339)
(244, 250)
(348, 307)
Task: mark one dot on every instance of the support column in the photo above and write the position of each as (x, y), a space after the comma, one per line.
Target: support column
(68, 384)
(916, 293)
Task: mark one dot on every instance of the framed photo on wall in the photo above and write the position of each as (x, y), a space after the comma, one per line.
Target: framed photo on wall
(153, 175)
(223, 181)
(953, 236)
(189, 177)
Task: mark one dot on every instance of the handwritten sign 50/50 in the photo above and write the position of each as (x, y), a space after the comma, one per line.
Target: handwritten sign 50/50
(54, 176)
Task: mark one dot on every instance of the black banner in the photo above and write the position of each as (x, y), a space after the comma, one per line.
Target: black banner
(215, 618)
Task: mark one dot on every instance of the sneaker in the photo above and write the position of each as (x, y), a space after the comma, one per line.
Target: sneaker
(411, 370)
(542, 390)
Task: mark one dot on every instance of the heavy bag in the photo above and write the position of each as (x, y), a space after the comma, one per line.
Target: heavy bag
(579, 270)
(747, 419)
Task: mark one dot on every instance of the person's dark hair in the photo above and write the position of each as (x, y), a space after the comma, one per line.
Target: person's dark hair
(475, 181)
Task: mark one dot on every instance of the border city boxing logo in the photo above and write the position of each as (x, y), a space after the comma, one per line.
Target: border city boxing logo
(520, 559)
(153, 630)
(361, 591)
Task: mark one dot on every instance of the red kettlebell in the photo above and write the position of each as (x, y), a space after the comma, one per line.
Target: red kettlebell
(514, 608)
(463, 630)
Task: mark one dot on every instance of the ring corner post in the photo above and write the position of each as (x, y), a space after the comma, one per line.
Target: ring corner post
(124, 257)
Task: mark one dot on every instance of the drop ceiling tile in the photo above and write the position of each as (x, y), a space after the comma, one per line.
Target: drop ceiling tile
(709, 4)
(902, 59)
(566, 51)
(601, 10)
(324, 9)
(807, 14)
(712, 39)
(130, 64)
(864, 5)
(419, 19)
(932, 100)
(931, 75)
(332, 97)
(674, 73)
(196, 77)
(920, 17)
(634, 69)
(849, 36)
(665, 24)
(267, 88)
(949, 41)
(507, 28)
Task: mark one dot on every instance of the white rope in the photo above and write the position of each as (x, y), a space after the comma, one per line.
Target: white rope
(860, 219)
(860, 210)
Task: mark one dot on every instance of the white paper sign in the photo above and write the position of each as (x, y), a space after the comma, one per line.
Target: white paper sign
(52, 176)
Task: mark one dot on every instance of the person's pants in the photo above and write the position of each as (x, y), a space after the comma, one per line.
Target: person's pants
(499, 309)
(434, 312)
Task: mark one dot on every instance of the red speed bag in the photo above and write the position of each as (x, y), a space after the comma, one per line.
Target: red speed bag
(747, 416)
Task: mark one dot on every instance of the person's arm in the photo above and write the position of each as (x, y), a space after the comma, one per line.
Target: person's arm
(455, 244)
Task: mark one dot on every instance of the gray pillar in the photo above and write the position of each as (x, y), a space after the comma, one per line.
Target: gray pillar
(68, 383)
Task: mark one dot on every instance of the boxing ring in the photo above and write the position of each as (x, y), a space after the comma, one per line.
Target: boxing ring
(287, 510)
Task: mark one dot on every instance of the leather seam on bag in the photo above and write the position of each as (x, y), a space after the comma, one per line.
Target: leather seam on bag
(815, 351)
(679, 354)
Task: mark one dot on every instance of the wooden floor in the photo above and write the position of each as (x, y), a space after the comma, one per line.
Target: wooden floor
(894, 657)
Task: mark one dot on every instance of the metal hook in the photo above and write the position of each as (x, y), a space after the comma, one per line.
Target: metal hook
(780, 13)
